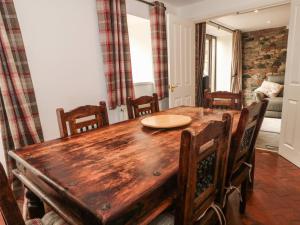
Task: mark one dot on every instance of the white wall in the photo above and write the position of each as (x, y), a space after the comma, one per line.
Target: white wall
(224, 60)
(63, 49)
(61, 39)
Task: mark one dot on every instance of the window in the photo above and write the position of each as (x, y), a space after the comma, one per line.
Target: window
(224, 60)
(210, 62)
(140, 48)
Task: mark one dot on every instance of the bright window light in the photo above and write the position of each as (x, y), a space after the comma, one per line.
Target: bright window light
(140, 49)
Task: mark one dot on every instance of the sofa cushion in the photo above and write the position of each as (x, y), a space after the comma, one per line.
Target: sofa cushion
(275, 104)
(270, 89)
(279, 79)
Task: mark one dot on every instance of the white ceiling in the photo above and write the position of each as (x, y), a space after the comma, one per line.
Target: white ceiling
(263, 19)
(179, 3)
(212, 30)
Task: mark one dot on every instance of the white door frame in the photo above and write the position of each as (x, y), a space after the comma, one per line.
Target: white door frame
(181, 51)
(224, 10)
(289, 146)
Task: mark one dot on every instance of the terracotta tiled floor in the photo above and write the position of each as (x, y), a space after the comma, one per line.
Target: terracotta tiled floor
(276, 196)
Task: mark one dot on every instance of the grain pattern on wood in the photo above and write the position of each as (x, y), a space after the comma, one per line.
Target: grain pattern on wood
(142, 106)
(8, 205)
(115, 173)
(223, 100)
(201, 178)
(92, 117)
(242, 151)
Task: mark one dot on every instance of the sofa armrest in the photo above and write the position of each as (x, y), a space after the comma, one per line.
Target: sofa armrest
(259, 96)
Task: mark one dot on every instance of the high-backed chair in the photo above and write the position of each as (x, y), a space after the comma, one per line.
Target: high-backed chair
(223, 100)
(142, 106)
(241, 160)
(10, 212)
(82, 119)
(201, 176)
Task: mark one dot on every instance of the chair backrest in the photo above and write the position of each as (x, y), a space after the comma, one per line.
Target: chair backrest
(223, 100)
(243, 141)
(202, 169)
(142, 106)
(82, 119)
(8, 205)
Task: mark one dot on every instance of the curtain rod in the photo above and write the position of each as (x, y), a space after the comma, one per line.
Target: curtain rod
(145, 2)
(220, 26)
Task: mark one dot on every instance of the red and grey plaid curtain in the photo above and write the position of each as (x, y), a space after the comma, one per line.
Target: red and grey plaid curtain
(112, 19)
(159, 48)
(19, 117)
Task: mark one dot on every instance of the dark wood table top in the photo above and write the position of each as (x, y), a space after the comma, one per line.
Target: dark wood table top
(109, 169)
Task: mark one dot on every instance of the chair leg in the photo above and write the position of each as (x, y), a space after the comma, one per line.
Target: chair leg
(252, 173)
(244, 190)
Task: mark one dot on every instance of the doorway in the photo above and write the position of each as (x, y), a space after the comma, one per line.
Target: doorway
(264, 50)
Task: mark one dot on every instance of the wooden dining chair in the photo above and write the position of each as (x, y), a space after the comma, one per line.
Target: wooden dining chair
(201, 176)
(241, 160)
(82, 119)
(9, 210)
(223, 100)
(142, 106)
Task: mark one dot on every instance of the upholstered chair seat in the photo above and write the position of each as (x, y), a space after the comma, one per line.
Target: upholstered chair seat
(51, 218)
(34, 222)
(10, 212)
(166, 218)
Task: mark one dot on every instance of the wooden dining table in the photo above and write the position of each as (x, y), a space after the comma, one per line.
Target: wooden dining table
(124, 173)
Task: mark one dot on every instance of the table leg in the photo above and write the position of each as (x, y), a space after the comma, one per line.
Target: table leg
(34, 205)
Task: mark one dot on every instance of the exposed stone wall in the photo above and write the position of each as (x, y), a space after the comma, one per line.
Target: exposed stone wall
(264, 54)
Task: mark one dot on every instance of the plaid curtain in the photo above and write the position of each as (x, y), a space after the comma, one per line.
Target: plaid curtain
(159, 48)
(112, 19)
(200, 56)
(236, 77)
(19, 117)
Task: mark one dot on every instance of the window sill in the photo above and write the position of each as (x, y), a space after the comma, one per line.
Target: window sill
(143, 83)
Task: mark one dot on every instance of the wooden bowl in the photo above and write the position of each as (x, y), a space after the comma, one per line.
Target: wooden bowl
(166, 121)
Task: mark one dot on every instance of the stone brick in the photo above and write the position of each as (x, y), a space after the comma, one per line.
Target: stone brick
(264, 54)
